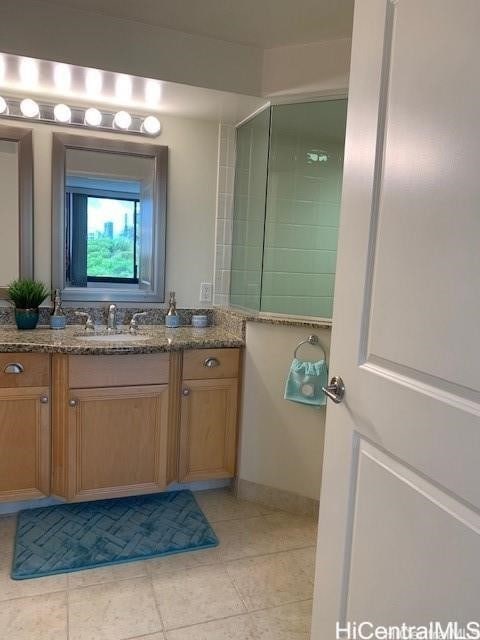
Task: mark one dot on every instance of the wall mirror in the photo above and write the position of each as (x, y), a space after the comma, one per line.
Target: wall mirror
(109, 219)
(16, 206)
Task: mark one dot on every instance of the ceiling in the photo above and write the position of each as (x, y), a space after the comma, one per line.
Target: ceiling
(259, 23)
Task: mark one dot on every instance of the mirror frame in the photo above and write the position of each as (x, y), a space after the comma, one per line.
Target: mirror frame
(24, 139)
(61, 142)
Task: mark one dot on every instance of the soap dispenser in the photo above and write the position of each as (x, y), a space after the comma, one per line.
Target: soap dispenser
(58, 319)
(172, 319)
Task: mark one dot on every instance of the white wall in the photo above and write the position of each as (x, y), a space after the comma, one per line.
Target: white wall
(317, 68)
(192, 181)
(281, 441)
(52, 32)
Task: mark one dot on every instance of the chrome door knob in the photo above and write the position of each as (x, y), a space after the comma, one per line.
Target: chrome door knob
(335, 390)
(72, 402)
(186, 391)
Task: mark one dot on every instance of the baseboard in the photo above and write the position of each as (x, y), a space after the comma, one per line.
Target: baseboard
(8, 508)
(203, 485)
(276, 498)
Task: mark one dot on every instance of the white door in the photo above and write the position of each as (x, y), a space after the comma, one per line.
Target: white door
(399, 531)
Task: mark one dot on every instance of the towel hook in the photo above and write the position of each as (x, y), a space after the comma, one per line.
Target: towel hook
(312, 339)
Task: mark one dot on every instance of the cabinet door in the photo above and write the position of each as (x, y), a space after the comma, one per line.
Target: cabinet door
(208, 432)
(24, 443)
(118, 441)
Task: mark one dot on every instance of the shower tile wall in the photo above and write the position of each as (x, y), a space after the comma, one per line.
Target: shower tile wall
(249, 211)
(303, 207)
(223, 242)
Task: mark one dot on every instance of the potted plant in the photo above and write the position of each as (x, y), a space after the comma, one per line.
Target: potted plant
(27, 295)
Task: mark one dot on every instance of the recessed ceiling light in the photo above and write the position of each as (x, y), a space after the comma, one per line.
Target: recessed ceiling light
(122, 120)
(62, 113)
(93, 117)
(151, 125)
(29, 108)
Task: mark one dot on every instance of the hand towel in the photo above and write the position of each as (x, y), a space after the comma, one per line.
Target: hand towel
(305, 381)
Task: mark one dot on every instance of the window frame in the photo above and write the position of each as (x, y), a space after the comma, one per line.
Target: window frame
(106, 195)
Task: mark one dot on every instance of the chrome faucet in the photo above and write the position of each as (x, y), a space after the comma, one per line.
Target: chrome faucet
(89, 324)
(134, 320)
(112, 318)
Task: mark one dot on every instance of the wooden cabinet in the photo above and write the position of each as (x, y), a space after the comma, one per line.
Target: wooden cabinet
(132, 424)
(208, 424)
(208, 429)
(110, 425)
(24, 426)
(118, 441)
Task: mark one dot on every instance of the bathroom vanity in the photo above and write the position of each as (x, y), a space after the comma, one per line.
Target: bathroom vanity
(83, 420)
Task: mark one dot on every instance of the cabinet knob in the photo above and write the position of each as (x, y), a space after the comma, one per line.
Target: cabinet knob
(73, 402)
(186, 391)
(44, 399)
(211, 362)
(13, 367)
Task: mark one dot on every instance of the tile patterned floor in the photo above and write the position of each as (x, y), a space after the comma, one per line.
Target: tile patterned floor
(257, 585)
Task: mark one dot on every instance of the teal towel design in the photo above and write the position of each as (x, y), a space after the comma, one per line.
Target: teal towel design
(305, 381)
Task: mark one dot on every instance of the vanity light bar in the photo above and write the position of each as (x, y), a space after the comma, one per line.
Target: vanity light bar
(79, 117)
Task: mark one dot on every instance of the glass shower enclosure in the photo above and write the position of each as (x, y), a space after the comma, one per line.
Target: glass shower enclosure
(288, 180)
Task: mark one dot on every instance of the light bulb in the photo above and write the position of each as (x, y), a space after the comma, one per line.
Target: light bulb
(62, 113)
(3, 106)
(29, 108)
(29, 71)
(151, 125)
(93, 117)
(122, 120)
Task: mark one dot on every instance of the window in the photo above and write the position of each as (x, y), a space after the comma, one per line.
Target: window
(102, 238)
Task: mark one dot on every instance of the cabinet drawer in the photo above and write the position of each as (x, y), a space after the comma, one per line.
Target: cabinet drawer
(200, 364)
(86, 372)
(24, 370)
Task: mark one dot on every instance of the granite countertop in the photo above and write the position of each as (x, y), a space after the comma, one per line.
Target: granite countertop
(154, 338)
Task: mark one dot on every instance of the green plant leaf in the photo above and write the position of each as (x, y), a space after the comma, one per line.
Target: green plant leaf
(27, 294)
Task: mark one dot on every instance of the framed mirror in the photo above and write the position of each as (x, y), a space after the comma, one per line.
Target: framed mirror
(16, 206)
(108, 219)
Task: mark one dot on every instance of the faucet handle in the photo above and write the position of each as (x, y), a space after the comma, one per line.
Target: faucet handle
(89, 324)
(134, 321)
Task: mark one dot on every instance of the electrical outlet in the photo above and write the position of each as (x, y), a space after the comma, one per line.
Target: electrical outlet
(206, 292)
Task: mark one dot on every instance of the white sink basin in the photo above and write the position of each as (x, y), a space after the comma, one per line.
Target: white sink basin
(114, 337)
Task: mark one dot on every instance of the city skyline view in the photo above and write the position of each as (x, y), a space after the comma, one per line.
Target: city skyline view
(104, 210)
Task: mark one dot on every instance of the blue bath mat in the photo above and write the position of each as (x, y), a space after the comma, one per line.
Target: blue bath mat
(72, 537)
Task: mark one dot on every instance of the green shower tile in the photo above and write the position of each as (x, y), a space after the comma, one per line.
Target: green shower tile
(248, 232)
(299, 260)
(288, 236)
(248, 258)
(297, 284)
